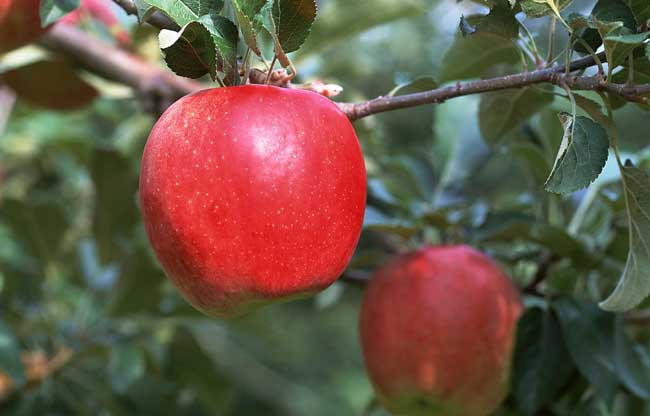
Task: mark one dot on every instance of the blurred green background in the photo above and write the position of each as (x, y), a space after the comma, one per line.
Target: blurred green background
(83, 299)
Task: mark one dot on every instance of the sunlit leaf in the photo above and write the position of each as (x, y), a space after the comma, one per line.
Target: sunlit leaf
(581, 157)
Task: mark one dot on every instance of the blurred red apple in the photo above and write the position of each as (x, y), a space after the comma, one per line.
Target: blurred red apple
(437, 328)
(20, 23)
(252, 194)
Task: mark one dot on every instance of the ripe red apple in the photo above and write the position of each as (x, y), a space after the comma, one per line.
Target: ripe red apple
(252, 194)
(20, 23)
(437, 330)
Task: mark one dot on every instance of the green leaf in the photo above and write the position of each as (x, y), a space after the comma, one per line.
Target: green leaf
(419, 84)
(225, 36)
(191, 366)
(180, 11)
(139, 288)
(246, 12)
(621, 45)
(541, 364)
(126, 365)
(509, 226)
(640, 75)
(292, 20)
(634, 285)
(632, 369)
(39, 223)
(502, 111)
(589, 335)
(641, 9)
(581, 157)
(340, 20)
(541, 8)
(10, 362)
(470, 56)
(203, 47)
(115, 213)
(190, 52)
(53, 10)
(610, 11)
(615, 21)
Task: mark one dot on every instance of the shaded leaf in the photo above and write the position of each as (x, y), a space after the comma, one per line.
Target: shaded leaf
(589, 335)
(115, 213)
(139, 288)
(191, 366)
(470, 56)
(634, 285)
(541, 364)
(126, 365)
(340, 20)
(634, 372)
(641, 9)
(502, 111)
(190, 52)
(10, 362)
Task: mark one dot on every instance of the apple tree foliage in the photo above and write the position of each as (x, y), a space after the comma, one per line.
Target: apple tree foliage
(551, 182)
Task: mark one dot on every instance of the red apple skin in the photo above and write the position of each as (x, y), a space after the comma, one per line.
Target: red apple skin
(20, 23)
(437, 329)
(252, 194)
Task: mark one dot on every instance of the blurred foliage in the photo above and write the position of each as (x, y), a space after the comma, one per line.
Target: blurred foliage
(90, 326)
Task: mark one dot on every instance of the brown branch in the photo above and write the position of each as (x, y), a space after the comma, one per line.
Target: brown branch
(543, 266)
(640, 317)
(553, 75)
(159, 87)
(157, 19)
(150, 80)
(356, 277)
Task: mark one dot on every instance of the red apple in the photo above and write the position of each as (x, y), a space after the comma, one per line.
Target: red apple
(20, 23)
(437, 329)
(252, 194)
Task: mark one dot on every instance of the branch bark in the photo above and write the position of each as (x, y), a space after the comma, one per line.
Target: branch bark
(157, 19)
(159, 87)
(165, 88)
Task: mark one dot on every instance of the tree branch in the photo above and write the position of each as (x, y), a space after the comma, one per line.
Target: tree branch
(165, 88)
(157, 19)
(159, 87)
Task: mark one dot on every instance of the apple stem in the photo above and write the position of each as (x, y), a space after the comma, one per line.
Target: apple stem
(268, 75)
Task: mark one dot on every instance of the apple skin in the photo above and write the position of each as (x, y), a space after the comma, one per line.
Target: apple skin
(437, 329)
(252, 194)
(20, 23)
